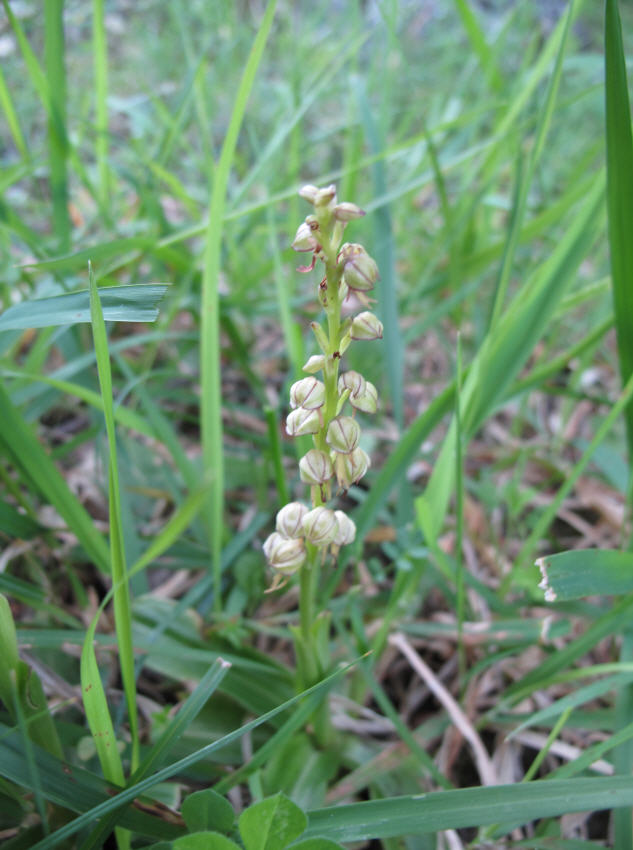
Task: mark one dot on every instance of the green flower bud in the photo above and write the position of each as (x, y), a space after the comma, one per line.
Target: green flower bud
(325, 196)
(352, 381)
(367, 400)
(302, 421)
(343, 434)
(315, 467)
(308, 393)
(346, 529)
(283, 554)
(308, 192)
(304, 239)
(320, 526)
(360, 271)
(366, 326)
(321, 336)
(346, 211)
(315, 364)
(351, 467)
(290, 520)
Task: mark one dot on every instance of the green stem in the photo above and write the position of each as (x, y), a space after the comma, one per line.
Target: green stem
(306, 600)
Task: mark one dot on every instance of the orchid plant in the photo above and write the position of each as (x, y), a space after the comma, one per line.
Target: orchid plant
(325, 407)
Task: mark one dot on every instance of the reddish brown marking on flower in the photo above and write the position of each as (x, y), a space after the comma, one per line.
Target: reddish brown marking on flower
(336, 355)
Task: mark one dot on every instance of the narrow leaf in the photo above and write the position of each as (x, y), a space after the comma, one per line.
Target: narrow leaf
(620, 195)
(586, 572)
(135, 303)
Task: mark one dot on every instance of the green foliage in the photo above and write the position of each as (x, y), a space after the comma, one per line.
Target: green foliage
(207, 810)
(145, 466)
(274, 822)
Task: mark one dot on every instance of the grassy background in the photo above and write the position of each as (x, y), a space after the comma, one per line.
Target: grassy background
(474, 138)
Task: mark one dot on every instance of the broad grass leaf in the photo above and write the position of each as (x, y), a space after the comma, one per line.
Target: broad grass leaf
(586, 572)
(469, 807)
(135, 303)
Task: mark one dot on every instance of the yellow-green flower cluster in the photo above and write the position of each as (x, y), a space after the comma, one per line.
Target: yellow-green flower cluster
(318, 405)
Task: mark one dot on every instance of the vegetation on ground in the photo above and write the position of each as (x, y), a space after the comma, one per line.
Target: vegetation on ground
(451, 664)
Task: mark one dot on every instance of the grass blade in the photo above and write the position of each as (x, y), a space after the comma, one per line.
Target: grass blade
(54, 57)
(210, 377)
(479, 45)
(122, 605)
(100, 54)
(620, 195)
(469, 807)
(136, 303)
(586, 572)
(11, 117)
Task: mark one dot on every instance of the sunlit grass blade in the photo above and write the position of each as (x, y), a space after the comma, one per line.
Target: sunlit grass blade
(97, 712)
(122, 605)
(620, 195)
(526, 175)
(37, 76)
(480, 47)
(95, 701)
(100, 57)
(11, 117)
(54, 57)
(211, 431)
